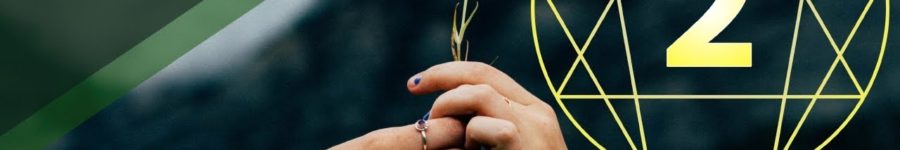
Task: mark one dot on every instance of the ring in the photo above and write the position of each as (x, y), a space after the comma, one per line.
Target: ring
(421, 126)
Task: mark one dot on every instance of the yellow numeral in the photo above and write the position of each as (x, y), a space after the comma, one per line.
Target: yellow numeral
(693, 48)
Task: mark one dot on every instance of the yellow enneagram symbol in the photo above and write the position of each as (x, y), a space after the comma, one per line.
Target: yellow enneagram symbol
(741, 48)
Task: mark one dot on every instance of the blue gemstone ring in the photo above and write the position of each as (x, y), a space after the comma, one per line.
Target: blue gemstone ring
(421, 126)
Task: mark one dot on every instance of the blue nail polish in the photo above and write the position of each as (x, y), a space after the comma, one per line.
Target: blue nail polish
(416, 80)
(427, 115)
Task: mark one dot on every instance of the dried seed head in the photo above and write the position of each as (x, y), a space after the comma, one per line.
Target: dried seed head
(458, 32)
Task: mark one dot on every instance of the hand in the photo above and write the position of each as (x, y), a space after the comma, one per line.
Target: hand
(504, 114)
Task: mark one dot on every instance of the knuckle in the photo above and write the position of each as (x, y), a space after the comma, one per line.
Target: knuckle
(483, 89)
(454, 126)
(547, 113)
(476, 92)
(484, 92)
(507, 133)
(545, 117)
(546, 108)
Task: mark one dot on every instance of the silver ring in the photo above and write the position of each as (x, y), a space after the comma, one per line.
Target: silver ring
(421, 126)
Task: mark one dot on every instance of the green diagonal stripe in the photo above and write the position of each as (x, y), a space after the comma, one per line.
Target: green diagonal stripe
(124, 73)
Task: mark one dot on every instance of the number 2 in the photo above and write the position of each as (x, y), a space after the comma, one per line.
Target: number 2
(694, 49)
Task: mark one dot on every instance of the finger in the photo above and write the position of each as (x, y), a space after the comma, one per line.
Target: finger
(491, 132)
(442, 133)
(449, 75)
(472, 100)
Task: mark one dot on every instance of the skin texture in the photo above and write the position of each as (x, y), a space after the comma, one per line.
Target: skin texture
(482, 107)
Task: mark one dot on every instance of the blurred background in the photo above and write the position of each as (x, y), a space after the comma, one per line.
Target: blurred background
(309, 74)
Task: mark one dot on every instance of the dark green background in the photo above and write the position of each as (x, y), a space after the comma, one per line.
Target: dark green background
(49, 46)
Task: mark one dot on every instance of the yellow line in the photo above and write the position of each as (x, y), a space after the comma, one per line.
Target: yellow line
(537, 49)
(812, 103)
(591, 74)
(716, 97)
(563, 24)
(846, 43)
(884, 38)
(787, 78)
(575, 46)
(634, 91)
(609, 104)
(830, 71)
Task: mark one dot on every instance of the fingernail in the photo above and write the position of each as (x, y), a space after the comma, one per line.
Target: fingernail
(417, 79)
